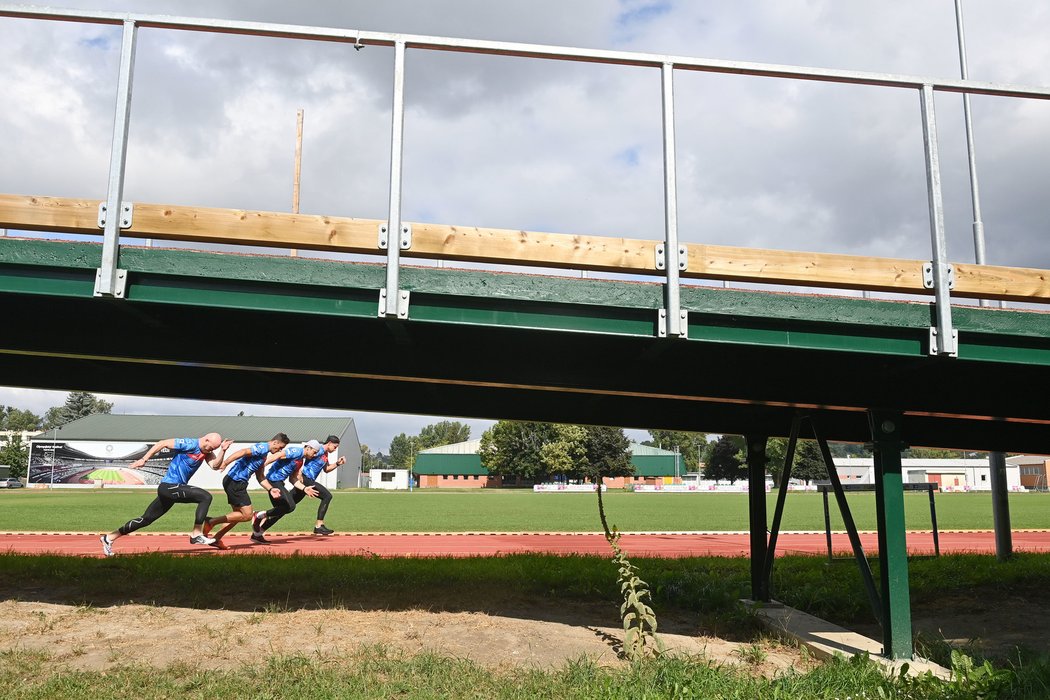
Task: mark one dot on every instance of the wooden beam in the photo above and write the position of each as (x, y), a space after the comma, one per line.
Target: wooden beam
(510, 247)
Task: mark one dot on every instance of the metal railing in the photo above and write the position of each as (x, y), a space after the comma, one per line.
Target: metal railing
(395, 237)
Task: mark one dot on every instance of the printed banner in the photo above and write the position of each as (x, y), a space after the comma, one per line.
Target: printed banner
(88, 462)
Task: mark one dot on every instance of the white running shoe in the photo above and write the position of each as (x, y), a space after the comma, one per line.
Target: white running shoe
(201, 539)
(107, 546)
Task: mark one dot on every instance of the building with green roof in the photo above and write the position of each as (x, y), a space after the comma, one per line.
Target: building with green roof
(459, 466)
(96, 450)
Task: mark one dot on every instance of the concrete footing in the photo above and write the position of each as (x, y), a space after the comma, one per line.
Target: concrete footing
(824, 640)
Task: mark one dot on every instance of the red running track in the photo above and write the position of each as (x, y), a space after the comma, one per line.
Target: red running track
(467, 545)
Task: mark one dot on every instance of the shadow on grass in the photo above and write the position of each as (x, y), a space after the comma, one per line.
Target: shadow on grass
(691, 597)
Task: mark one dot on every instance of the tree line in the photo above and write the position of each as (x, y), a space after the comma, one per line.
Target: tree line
(14, 452)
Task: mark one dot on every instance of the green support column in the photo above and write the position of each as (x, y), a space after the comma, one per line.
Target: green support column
(756, 490)
(893, 552)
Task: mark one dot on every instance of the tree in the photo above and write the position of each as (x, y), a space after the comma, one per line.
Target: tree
(689, 445)
(370, 461)
(78, 405)
(809, 464)
(723, 462)
(403, 451)
(446, 432)
(567, 452)
(21, 420)
(608, 453)
(514, 448)
(14, 453)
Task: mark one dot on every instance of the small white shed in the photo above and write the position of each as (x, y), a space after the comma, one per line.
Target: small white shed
(390, 479)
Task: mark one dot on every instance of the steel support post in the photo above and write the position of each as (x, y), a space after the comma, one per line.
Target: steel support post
(393, 302)
(893, 553)
(1000, 506)
(778, 512)
(933, 524)
(110, 281)
(851, 525)
(673, 321)
(943, 337)
(756, 495)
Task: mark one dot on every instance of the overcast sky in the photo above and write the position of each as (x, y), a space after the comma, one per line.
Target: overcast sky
(543, 145)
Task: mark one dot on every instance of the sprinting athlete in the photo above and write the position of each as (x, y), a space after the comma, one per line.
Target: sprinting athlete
(286, 463)
(174, 488)
(311, 470)
(243, 464)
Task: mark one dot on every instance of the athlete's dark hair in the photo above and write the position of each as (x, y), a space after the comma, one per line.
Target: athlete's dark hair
(332, 438)
(281, 437)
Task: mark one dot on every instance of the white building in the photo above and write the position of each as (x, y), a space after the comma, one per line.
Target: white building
(388, 479)
(96, 450)
(948, 474)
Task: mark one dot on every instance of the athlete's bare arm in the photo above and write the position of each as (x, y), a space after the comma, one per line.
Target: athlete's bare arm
(163, 444)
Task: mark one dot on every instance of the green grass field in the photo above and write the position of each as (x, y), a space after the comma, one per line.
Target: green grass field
(511, 511)
(107, 475)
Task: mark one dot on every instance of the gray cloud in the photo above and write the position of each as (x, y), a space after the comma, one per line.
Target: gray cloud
(543, 145)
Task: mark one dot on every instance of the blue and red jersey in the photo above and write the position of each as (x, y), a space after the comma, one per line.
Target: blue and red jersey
(316, 465)
(244, 467)
(281, 469)
(188, 456)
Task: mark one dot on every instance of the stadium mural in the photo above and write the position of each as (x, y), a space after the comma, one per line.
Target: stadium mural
(89, 462)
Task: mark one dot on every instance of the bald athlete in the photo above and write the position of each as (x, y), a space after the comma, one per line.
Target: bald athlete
(189, 454)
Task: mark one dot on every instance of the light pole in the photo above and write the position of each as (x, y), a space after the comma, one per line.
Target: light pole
(996, 460)
(54, 439)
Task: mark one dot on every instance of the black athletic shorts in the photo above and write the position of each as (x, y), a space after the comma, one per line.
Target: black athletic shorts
(236, 492)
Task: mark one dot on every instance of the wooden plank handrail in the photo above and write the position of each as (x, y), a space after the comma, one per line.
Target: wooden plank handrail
(510, 247)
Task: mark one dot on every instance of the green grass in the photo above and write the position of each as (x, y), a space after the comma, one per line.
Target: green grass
(584, 588)
(510, 511)
(377, 672)
(107, 475)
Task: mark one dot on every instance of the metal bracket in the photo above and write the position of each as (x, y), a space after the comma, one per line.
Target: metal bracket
(402, 303)
(120, 283)
(927, 276)
(127, 210)
(406, 236)
(662, 323)
(953, 349)
(661, 257)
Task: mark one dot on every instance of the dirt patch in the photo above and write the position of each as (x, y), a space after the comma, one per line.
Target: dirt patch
(98, 638)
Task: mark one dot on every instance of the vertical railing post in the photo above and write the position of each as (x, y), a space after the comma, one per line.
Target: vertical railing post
(943, 337)
(393, 235)
(113, 215)
(893, 545)
(673, 321)
(756, 496)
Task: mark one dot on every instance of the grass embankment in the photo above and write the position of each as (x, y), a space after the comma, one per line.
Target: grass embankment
(708, 587)
(512, 511)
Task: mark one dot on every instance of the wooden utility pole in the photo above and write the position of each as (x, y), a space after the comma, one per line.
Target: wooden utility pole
(298, 167)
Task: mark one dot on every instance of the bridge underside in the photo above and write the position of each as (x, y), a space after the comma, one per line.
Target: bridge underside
(304, 332)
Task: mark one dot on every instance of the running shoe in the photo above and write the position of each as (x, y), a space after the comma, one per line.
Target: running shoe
(323, 530)
(258, 537)
(219, 544)
(201, 539)
(107, 546)
(258, 518)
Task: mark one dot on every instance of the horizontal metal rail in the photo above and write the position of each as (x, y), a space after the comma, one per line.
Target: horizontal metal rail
(503, 48)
